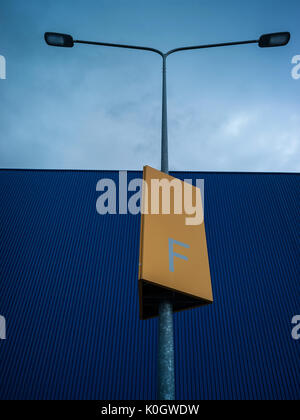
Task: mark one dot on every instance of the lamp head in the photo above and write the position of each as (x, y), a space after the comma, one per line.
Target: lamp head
(58, 40)
(278, 39)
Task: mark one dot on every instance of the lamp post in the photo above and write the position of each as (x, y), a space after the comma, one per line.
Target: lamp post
(166, 376)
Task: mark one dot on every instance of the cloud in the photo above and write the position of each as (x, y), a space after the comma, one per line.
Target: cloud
(237, 124)
(264, 138)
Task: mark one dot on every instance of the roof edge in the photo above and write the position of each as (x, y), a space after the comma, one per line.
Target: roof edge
(140, 170)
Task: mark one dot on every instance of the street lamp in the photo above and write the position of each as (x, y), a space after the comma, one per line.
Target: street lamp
(59, 40)
(277, 39)
(166, 378)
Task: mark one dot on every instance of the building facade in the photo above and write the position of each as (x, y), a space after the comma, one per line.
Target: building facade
(69, 292)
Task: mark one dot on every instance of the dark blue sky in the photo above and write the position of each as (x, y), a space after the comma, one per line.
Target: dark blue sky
(229, 109)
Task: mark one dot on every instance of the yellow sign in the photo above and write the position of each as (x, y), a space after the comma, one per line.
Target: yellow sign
(173, 253)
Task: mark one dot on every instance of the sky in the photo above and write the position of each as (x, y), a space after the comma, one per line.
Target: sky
(88, 107)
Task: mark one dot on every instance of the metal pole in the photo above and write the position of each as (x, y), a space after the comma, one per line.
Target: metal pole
(166, 374)
(164, 122)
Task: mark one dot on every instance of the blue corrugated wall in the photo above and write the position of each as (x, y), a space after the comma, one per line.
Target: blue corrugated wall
(69, 292)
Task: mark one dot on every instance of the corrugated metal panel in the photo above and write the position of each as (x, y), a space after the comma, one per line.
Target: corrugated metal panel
(68, 279)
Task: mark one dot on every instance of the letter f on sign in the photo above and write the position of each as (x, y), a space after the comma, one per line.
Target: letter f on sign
(173, 254)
